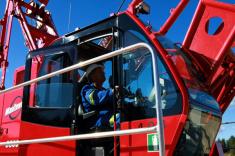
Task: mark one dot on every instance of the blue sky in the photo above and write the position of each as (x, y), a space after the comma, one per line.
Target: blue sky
(85, 12)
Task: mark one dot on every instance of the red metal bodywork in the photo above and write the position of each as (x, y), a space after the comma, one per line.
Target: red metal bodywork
(67, 148)
(211, 55)
(211, 52)
(136, 144)
(11, 122)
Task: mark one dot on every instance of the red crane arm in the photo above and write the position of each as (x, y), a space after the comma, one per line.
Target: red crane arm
(37, 27)
(212, 51)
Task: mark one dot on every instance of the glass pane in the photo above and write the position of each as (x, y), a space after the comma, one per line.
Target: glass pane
(199, 133)
(54, 95)
(182, 62)
(138, 81)
(108, 74)
(56, 91)
(170, 95)
(53, 63)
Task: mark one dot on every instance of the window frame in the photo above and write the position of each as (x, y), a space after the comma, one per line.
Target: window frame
(27, 111)
(130, 29)
(34, 114)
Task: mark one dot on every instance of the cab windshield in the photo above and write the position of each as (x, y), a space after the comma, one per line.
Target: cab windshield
(183, 63)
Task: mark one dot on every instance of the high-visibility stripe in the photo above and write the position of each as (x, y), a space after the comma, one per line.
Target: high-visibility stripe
(111, 121)
(92, 98)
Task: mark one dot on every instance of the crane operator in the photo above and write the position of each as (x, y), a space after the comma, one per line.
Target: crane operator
(96, 97)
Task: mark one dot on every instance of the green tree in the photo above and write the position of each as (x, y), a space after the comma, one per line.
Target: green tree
(224, 145)
(231, 145)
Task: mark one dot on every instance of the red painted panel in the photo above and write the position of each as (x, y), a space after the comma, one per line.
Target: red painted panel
(210, 48)
(11, 120)
(210, 45)
(19, 75)
(137, 144)
(35, 131)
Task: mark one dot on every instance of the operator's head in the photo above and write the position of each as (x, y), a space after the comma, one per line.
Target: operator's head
(95, 73)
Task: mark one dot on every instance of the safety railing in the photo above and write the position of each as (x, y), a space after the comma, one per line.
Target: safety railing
(82, 136)
(159, 128)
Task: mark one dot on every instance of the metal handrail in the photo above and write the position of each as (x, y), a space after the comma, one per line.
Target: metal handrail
(82, 136)
(160, 127)
(80, 65)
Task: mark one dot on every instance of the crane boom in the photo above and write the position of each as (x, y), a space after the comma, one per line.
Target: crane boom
(36, 24)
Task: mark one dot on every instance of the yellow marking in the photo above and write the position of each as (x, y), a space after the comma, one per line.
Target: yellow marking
(91, 98)
(111, 121)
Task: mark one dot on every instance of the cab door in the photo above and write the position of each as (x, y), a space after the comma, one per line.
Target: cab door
(48, 105)
(139, 107)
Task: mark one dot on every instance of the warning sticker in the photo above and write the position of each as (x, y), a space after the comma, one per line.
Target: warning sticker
(153, 142)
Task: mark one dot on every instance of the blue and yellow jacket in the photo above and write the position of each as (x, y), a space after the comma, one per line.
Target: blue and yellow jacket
(100, 100)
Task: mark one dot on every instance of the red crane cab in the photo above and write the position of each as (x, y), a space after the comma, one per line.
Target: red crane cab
(50, 107)
(180, 90)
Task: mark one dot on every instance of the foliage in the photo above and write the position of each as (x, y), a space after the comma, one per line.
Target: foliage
(228, 145)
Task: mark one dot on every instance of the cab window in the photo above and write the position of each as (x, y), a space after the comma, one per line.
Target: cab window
(138, 82)
(56, 91)
(50, 101)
